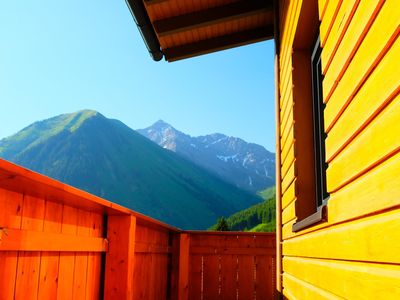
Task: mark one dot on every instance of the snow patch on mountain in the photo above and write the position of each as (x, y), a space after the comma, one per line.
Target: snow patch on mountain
(226, 158)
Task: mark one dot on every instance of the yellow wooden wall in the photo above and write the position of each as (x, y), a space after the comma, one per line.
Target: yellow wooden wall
(356, 253)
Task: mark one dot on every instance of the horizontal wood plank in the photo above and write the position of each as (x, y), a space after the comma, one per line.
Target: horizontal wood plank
(289, 145)
(290, 23)
(23, 181)
(219, 43)
(369, 239)
(376, 190)
(322, 8)
(289, 213)
(288, 179)
(209, 250)
(288, 162)
(358, 27)
(365, 151)
(30, 240)
(295, 288)
(380, 37)
(340, 25)
(366, 197)
(286, 94)
(331, 12)
(289, 195)
(286, 100)
(334, 276)
(214, 15)
(286, 124)
(379, 89)
(152, 248)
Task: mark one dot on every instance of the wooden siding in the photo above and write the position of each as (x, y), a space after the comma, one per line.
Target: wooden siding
(53, 246)
(355, 253)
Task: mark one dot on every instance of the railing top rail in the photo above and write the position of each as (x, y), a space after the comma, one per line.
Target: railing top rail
(233, 233)
(22, 180)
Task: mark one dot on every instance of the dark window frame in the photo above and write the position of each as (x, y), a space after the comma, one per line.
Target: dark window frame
(319, 127)
(318, 140)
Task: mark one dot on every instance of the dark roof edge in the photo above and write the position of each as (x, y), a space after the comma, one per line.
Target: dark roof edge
(143, 23)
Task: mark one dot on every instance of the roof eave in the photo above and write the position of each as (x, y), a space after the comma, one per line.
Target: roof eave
(146, 30)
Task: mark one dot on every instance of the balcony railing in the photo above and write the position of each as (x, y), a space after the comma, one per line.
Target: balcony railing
(57, 242)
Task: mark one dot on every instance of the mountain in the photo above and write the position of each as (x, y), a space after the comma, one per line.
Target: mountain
(259, 217)
(246, 165)
(107, 158)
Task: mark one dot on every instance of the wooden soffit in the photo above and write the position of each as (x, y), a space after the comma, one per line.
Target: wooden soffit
(187, 28)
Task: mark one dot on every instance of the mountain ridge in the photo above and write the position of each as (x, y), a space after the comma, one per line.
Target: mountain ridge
(107, 158)
(248, 166)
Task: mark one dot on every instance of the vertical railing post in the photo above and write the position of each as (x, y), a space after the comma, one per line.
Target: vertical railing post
(183, 286)
(120, 257)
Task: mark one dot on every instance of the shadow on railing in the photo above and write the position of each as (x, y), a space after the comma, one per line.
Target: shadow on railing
(59, 242)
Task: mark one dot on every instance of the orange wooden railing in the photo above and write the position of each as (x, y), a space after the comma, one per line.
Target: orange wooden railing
(57, 242)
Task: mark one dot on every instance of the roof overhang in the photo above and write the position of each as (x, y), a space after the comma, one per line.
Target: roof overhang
(178, 29)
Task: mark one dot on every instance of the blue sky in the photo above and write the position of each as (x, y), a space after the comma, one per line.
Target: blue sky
(63, 56)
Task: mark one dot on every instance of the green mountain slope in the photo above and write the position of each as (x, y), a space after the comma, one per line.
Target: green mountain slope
(108, 159)
(259, 217)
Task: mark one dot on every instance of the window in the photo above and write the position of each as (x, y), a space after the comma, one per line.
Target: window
(318, 119)
(308, 120)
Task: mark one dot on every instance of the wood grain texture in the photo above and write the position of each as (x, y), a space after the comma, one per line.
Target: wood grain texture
(196, 279)
(94, 260)
(10, 217)
(232, 266)
(48, 280)
(289, 213)
(365, 152)
(367, 196)
(56, 257)
(353, 37)
(264, 277)
(379, 90)
(27, 282)
(339, 27)
(211, 277)
(289, 196)
(30, 240)
(361, 89)
(184, 267)
(67, 259)
(379, 38)
(119, 273)
(327, 22)
(81, 258)
(298, 289)
(365, 278)
(365, 239)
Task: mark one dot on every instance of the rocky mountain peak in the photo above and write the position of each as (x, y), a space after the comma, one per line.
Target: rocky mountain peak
(246, 165)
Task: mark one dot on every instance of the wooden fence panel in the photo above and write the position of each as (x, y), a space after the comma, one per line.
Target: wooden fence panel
(152, 262)
(10, 217)
(67, 259)
(53, 241)
(227, 265)
(29, 262)
(41, 245)
(48, 279)
(210, 276)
